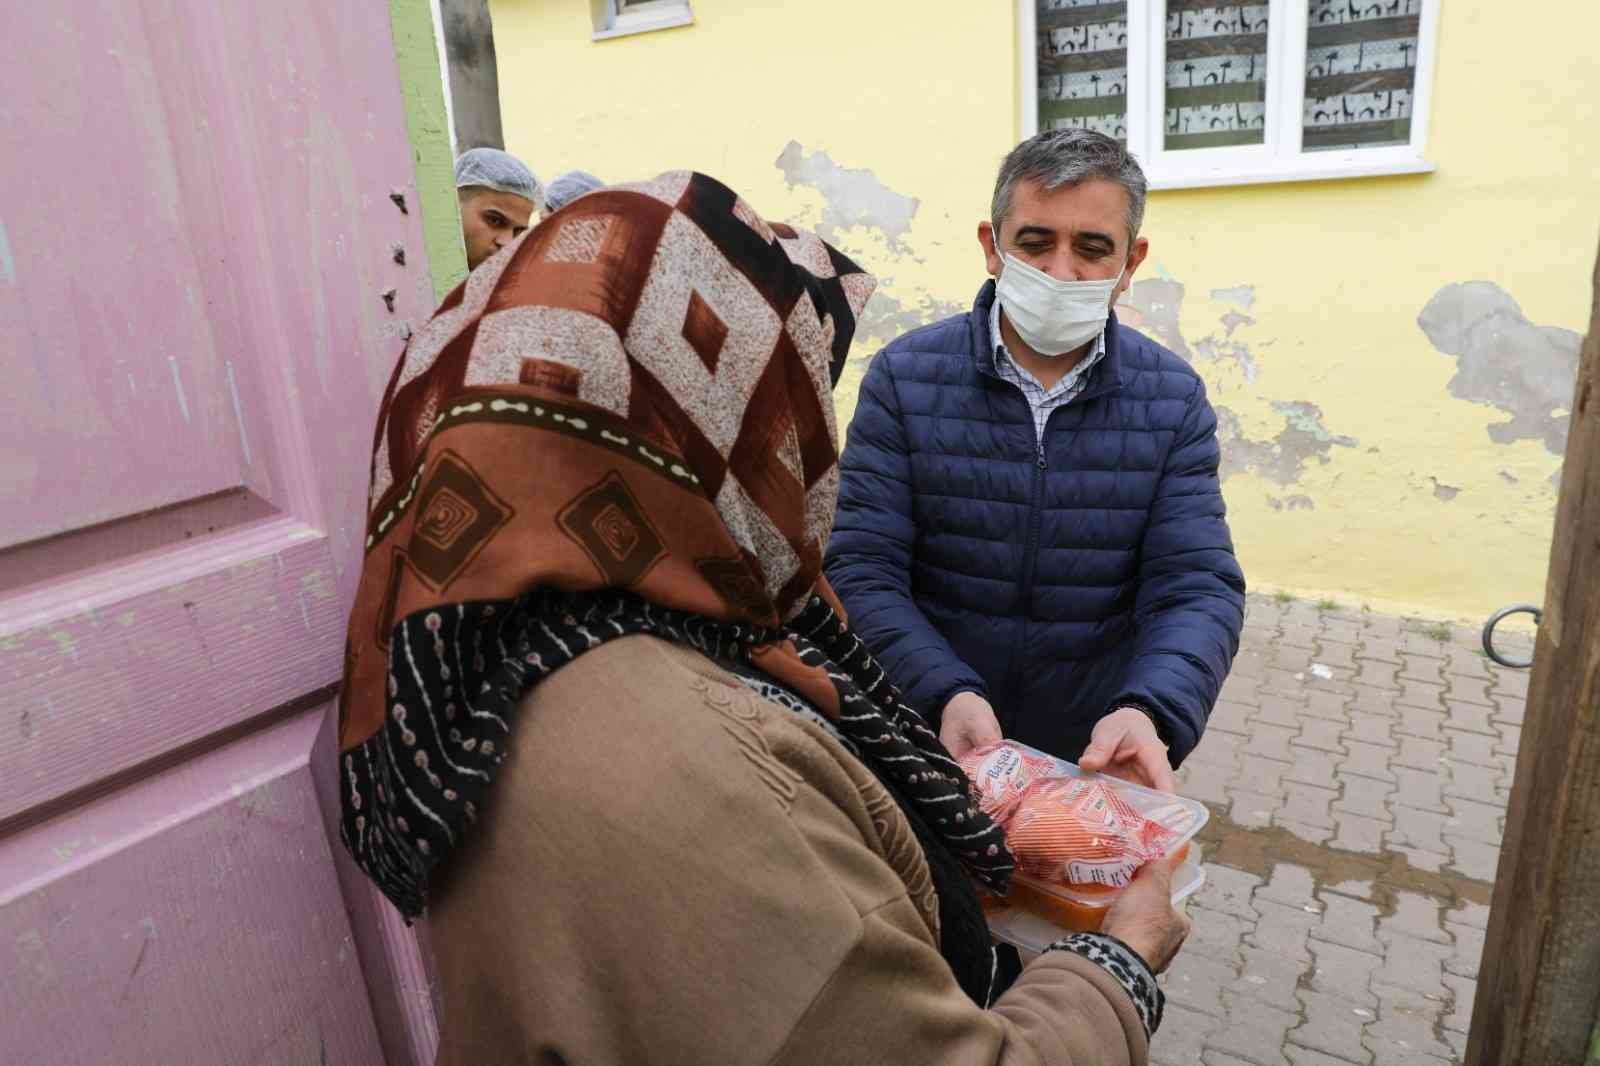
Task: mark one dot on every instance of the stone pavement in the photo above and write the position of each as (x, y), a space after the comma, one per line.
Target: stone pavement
(1357, 768)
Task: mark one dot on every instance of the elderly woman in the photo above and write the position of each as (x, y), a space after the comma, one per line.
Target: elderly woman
(603, 716)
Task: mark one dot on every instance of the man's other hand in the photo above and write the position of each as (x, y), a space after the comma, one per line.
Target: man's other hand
(1124, 744)
(968, 723)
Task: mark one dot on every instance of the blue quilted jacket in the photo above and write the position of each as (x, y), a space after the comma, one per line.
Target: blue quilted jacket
(1059, 579)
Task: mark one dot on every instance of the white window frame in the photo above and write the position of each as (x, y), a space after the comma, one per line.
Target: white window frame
(623, 18)
(1280, 157)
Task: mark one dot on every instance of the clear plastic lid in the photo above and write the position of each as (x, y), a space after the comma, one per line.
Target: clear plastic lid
(1078, 844)
(1031, 931)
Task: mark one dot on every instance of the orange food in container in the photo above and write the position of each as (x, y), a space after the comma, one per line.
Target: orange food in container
(1078, 838)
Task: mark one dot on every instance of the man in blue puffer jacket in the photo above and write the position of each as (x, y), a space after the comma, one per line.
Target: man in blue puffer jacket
(1031, 533)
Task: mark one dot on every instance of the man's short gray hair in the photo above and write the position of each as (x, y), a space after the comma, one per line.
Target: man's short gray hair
(1055, 158)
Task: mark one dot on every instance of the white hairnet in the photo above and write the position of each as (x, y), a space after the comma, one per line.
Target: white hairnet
(501, 171)
(568, 187)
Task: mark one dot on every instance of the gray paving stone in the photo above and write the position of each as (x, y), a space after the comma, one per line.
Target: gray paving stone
(1218, 748)
(1353, 832)
(1215, 935)
(1473, 690)
(1421, 789)
(1373, 700)
(1414, 667)
(1229, 891)
(1332, 1026)
(1404, 1030)
(1291, 886)
(1349, 923)
(1312, 767)
(1323, 734)
(1368, 760)
(1418, 829)
(1473, 782)
(1474, 820)
(1195, 981)
(1255, 1031)
(1301, 1056)
(1414, 965)
(1328, 699)
(1279, 710)
(1462, 990)
(1510, 739)
(1336, 653)
(1364, 796)
(1252, 810)
(1228, 717)
(1343, 972)
(1423, 694)
(1371, 729)
(1469, 914)
(1415, 916)
(1182, 1035)
(1473, 859)
(1423, 722)
(1311, 834)
(1307, 805)
(1381, 647)
(1283, 930)
(1468, 953)
(1239, 688)
(1207, 782)
(1472, 718)
(1269, 977)
(1509, 709)
(1471, 747)
(1419, 858)
(1418, 754)
(1271, 741)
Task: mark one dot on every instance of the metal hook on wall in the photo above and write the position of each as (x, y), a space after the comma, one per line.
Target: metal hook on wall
(1495, 619)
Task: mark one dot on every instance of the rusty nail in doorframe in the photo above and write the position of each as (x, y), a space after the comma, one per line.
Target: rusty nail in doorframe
(399, 198)
(399, 253)
(388, 299)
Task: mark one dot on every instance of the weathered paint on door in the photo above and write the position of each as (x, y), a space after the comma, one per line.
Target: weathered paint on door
(196, 236)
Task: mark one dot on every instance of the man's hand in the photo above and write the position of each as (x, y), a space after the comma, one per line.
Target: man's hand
(1124, 744)
(1142, 916)
(968, 723)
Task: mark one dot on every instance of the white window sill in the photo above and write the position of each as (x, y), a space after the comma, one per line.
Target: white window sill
(1306, 168)
(627, 25)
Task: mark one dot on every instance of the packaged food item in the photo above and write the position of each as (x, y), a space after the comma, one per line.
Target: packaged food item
(1078, 837)
(1035, 914)
(1001, 775)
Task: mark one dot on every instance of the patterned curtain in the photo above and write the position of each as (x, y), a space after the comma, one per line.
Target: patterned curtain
(1216, 74)
(1083, 66)
(1361, 69)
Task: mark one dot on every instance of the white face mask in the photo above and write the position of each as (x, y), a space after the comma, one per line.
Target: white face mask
(1052, 317)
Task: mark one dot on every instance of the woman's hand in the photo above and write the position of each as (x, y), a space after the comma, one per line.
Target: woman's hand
(1144, 918)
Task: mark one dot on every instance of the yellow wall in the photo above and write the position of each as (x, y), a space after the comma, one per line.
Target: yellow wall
(922, 97)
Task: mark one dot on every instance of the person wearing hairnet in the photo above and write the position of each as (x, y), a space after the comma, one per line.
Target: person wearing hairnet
(499, 196)
(568, 187)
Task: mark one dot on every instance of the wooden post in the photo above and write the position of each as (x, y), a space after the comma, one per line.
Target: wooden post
(1538, 994)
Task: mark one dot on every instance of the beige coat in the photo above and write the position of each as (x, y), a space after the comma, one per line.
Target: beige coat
(671, 870)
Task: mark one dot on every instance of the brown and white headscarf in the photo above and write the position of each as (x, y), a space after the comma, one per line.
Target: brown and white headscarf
(621, 424)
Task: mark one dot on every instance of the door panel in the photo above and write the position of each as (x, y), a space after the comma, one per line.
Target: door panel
(196, 244)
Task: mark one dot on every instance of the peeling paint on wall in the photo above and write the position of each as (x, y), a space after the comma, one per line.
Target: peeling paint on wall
(854, 196)
(1157, 303)
(1283, 458)
(1242, 295)
(887, 317)
(1505, 361)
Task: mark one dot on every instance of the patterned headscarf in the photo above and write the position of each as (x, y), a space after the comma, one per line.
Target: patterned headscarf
(622, 423)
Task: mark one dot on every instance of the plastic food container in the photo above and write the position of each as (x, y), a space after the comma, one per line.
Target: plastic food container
(1055, 893)
(1035, 915)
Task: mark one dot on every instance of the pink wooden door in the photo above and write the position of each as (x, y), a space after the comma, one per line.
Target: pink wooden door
(195, 233)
